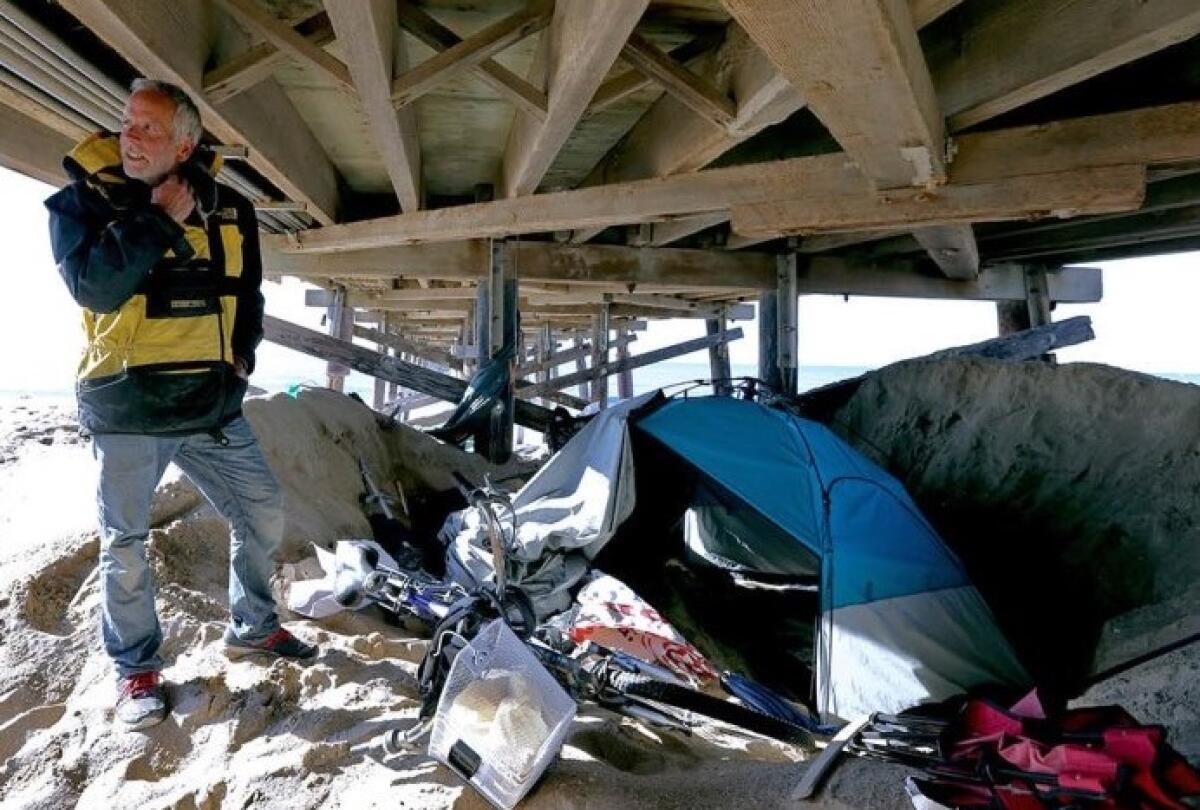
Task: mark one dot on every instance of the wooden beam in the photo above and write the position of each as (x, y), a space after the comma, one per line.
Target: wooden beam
(408, 375)
(413, 347)
(926, 11)
(285, 38)
(695, 92)
(470, 52)
(258, 62)
(437, 36)
(1015, 52)
(640, 360)
(374, 47)
(168, 40)
(952, 248)
(31, 148)
(633, 81)
(828, 275)
(1120, 188)
(664, 233)
(575, 53)
(1148, 136)
(860, 66)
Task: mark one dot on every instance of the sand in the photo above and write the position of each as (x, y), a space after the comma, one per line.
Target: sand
(247, 735)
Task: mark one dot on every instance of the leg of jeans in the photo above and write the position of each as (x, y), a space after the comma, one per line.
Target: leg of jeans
(130, 468)
(238, 483)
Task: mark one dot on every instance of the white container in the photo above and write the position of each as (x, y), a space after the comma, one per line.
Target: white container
(502, 718)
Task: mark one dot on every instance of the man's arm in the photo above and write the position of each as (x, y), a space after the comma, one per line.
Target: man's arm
(104, 256)
(248, 324)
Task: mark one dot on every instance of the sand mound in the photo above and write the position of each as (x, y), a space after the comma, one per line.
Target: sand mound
(248, 735)
(1071, 494)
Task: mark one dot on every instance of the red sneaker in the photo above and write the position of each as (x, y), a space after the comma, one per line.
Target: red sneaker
(141, 700)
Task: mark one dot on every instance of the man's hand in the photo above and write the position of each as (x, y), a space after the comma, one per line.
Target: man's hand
(175, 197)
(241, 368)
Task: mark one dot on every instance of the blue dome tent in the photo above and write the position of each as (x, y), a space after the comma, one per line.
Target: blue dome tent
(899, 621)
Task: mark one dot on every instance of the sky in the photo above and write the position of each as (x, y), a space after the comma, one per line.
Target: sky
(1145, 322)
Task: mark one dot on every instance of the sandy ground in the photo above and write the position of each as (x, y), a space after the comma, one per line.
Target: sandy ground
(247, 735)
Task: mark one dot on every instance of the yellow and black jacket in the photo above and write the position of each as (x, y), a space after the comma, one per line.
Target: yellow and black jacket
(166, 308)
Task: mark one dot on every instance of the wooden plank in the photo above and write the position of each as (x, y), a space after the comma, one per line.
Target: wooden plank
(1015, 52)
(664, 233)
(373, 46)
(695, 92)
(860, 67)
(631, 82)
(829, 275)
(952, 248)
(29, 147)
(470, 52)
(414, 347)
(392, 369)
(575, 53)
(718, 359)
(169, 40)
(926, 11)
(768, 339)
(1155, 135)
(258, 62)
(641, 360)
(285, 38)
(42, 115)
(1067, 194)
(437, 36)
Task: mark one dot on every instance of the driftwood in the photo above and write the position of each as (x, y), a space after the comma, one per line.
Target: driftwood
(820, 404)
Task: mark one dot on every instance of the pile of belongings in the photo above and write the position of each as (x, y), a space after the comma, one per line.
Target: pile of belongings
(976, 753)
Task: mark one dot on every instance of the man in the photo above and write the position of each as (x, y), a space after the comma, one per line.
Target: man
(165, 264)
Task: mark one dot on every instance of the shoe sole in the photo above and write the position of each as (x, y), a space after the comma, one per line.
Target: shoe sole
(148, 721)
(236, 653)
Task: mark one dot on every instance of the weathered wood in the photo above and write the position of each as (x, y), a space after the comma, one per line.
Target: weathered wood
(718, 359)
(341, 327)
(575, 53)
(29, 147)
(374, 48)
(410, 376)
(624, 378)
(600, 357)
(860, 67)
(926, 11)
(631, 82)
(664, 233)
(828, 275)
(821, 404)
(258, 62)
(285, 38)
(1062, 194)
(470, 52)
(572, 354)
(169, 41)
(953, 248)
(1037, 295)
(642, 360)
(437, 36)
(1156, 135)
(768, 340)
(413, 347)
(787, 319)
(1012, 53)
(692, 90)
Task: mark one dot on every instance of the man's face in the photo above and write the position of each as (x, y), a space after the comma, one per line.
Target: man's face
(149, 149)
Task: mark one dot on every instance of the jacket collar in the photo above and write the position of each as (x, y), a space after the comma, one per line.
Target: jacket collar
(98, 157)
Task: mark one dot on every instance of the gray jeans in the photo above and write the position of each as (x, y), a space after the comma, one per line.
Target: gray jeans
(238, 483)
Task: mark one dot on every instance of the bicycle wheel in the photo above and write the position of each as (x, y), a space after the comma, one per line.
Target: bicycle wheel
(733, 714)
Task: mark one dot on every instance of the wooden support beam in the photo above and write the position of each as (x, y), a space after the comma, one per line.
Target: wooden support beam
(168, 40)
(1065, 194)
(374, 48)
(31, 148)
(787, 321)
(633, 81)
(570, 355)
(647, 359)
(828, 275)
(1154, 135)
(575, 53)
(407, 346)
(664, 233)
(1015, 52)
(285, 38)
(926, 11)
(341, 327)
(258, 62)
(860, 67)
(625, 377)
(410, 376)
(952, 248)
(528, 98)
(692, 90)
(470, 52)
(600, 356)
(768, 340)
(718, 359)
